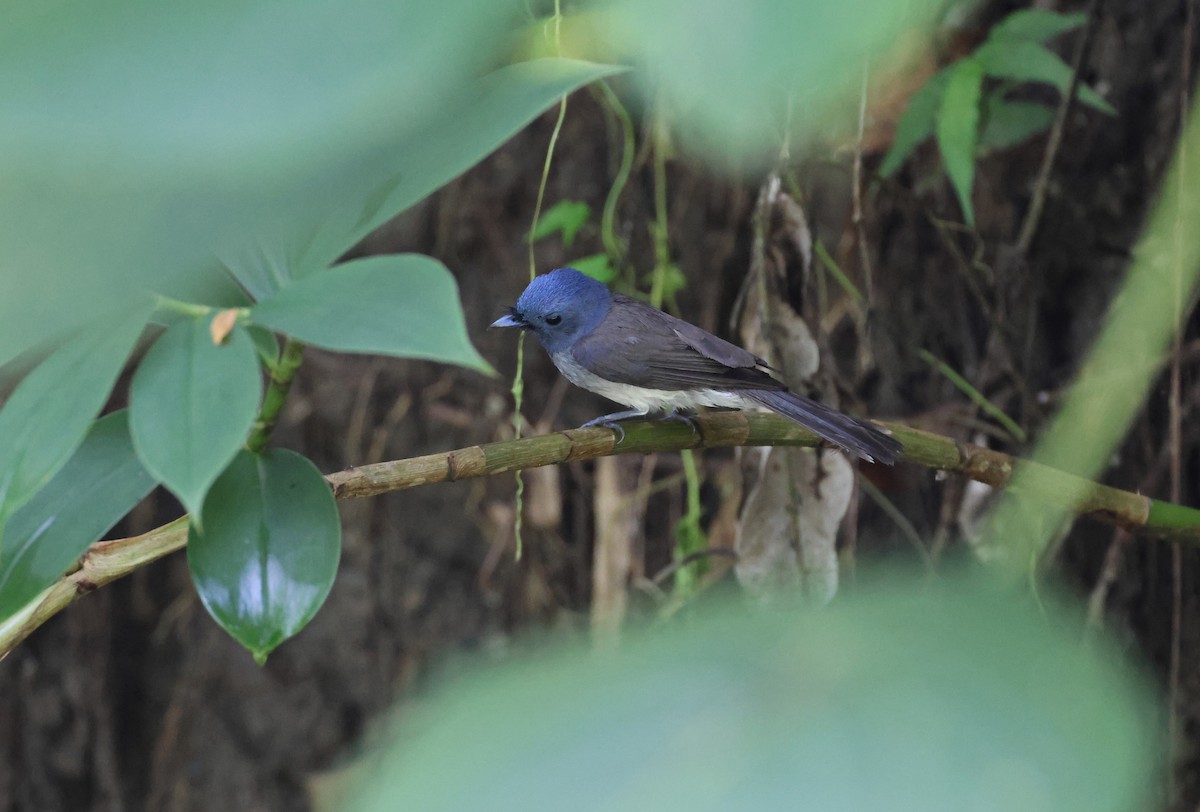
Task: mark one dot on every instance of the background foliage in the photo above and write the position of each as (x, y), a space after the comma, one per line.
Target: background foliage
(272, 140)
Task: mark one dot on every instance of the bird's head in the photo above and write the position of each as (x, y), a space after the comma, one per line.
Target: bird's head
(560, 308)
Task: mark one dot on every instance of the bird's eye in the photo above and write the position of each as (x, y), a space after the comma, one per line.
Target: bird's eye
(553, 319)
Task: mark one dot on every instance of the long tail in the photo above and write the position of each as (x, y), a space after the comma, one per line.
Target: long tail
(842, 430)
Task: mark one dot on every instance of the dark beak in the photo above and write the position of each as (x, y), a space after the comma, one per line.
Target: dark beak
(512, 319)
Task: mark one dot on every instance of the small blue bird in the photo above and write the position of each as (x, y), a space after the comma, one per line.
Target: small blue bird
(639, 356)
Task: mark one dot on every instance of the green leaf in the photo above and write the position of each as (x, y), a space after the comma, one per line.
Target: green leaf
(191, 405)
(597, 266)
(268, 553)
(958, 129)
(740, 84)
(403, 304)
(918, 121)
(906, 695)
(1007, 123)
(1036, 25)
(1029, 62)
(97, 486)
(673, 280)
(231, 132)
(49, 413)
(565, 217)
(463, 129)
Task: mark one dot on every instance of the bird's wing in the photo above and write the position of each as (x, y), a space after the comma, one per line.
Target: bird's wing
(640, 345)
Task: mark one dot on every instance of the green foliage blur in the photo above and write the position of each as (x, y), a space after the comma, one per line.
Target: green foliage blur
(226, 154)
(904, 696)
(203, 167)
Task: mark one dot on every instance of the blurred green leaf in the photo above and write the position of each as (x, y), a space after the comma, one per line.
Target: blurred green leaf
(268, 553)
(99, 484)
(597, 266)
(191, 405)
(49, 413)
(153, 144)
(1027, 61)
(1036, 24)
(405, 305)
(1113, 381)
(565, 217)
(739, 77)
(958, 129)
(918, 121)
(915, 695)
(673, 280)
(464, 128)
(1007, 123)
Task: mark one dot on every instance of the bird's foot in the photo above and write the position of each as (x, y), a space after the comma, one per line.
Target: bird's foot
(685, 418)
(609, 421)
(606, 424)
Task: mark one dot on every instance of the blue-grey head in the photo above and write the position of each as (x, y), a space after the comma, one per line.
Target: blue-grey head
(560, 308)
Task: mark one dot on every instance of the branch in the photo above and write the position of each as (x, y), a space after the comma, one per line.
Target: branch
(106, 561)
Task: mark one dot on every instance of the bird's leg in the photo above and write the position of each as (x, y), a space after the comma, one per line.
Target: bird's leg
(609, 421)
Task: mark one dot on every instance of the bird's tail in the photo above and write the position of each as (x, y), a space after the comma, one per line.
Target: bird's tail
(842, 430)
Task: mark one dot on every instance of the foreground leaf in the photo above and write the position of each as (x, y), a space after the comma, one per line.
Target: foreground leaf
(48, 414)
(97, 486)
(958, 130)
(170, 133)
(192, 403)
(918, 695)
(741, 78)
(460, 131)
(405, 305)
(268, 553)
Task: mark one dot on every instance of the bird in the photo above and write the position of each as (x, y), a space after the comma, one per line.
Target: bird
(635, 354)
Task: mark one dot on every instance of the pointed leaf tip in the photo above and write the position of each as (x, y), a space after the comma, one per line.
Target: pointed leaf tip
(192, 404)
(265, 560)
(405, 305)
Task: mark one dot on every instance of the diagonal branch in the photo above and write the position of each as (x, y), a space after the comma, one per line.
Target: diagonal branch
(106, 561)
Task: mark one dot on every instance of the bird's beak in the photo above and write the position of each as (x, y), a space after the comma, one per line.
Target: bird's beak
(512, 319)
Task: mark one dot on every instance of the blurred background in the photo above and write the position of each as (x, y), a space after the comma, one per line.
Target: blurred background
(135, 699)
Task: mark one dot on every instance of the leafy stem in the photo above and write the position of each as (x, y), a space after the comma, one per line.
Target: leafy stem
(280, 375)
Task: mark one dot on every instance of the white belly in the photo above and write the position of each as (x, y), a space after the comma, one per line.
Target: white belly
(648, 400)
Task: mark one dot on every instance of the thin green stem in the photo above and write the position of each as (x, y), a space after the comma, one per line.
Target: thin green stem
(280, 375)
(170, 305)
(689, 537)
(662, 247)
(518, 385)
(977, 397)
(614, 246)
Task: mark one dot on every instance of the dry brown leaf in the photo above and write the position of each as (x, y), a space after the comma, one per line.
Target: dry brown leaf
(222, 325)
